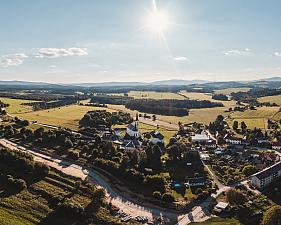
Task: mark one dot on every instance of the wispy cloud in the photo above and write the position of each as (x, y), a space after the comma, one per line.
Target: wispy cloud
(60, 52)
(180, 58)
(237, 52)
(278, 54)
(12, 59)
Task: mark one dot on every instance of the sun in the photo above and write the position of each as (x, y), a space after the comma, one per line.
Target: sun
(157, 21)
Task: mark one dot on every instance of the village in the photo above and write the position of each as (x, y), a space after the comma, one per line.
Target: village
(200, 161)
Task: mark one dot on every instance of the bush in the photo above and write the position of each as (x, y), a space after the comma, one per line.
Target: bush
(155, 182)
(272, 216)
(16, 185)
(156, 195)
(167, 197)
(235, 197)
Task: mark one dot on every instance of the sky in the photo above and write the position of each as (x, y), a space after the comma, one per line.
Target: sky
(89, 41)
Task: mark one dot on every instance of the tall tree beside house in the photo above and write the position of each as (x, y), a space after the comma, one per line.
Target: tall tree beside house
(272, 216)
(235, 197)
(235, 125)
(243, 126)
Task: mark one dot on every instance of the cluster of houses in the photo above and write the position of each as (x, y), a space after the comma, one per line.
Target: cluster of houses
(133, 139)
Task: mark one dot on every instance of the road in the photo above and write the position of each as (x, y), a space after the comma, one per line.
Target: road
(117, 199)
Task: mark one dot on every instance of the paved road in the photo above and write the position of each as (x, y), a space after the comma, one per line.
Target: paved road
(117, 199)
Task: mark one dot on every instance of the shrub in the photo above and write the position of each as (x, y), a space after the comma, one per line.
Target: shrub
(235, 197)
(156, 195)
(167, 197)
(272, 216)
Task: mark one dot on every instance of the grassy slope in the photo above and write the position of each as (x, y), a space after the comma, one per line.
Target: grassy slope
(67, 116)
(15, 105)
(228, 91)
(29, 207)
(273, 99)
(256, 118)
(155, 95)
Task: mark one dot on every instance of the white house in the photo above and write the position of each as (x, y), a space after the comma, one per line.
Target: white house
(200, 138)
(133, 130)
(266, 176)
(221, 206)
(233, 140)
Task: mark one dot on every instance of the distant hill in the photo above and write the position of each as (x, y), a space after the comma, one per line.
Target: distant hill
(272, 82)
(178, 82)
(108, 84)
(161, 82)
(271, 79)
(17, 83)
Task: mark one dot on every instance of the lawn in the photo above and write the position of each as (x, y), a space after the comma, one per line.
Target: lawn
(219, 221)
(15, 105)
(272, 99)
(67, 116)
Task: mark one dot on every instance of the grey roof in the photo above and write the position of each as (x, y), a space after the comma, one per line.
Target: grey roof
(268, 171)
(133, 127)
(157, 135)
(132, 144)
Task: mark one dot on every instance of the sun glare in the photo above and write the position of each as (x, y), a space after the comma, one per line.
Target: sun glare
(157, 20)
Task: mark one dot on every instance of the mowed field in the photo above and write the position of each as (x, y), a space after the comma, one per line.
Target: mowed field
(67, 116)
(204, 116)
(155, 95)
(16, 105)
(228, 91)
(206, 96)
(256, 118)
(273, 99)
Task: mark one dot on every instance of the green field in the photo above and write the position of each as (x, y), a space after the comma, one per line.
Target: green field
(204, 116)
(155, 95)
(67, 116)
(272, 99)
(197, 95)
(15, 105)
(228, 91)
(256, 118)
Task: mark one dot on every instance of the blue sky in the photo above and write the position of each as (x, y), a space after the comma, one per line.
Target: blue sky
(71, 41)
